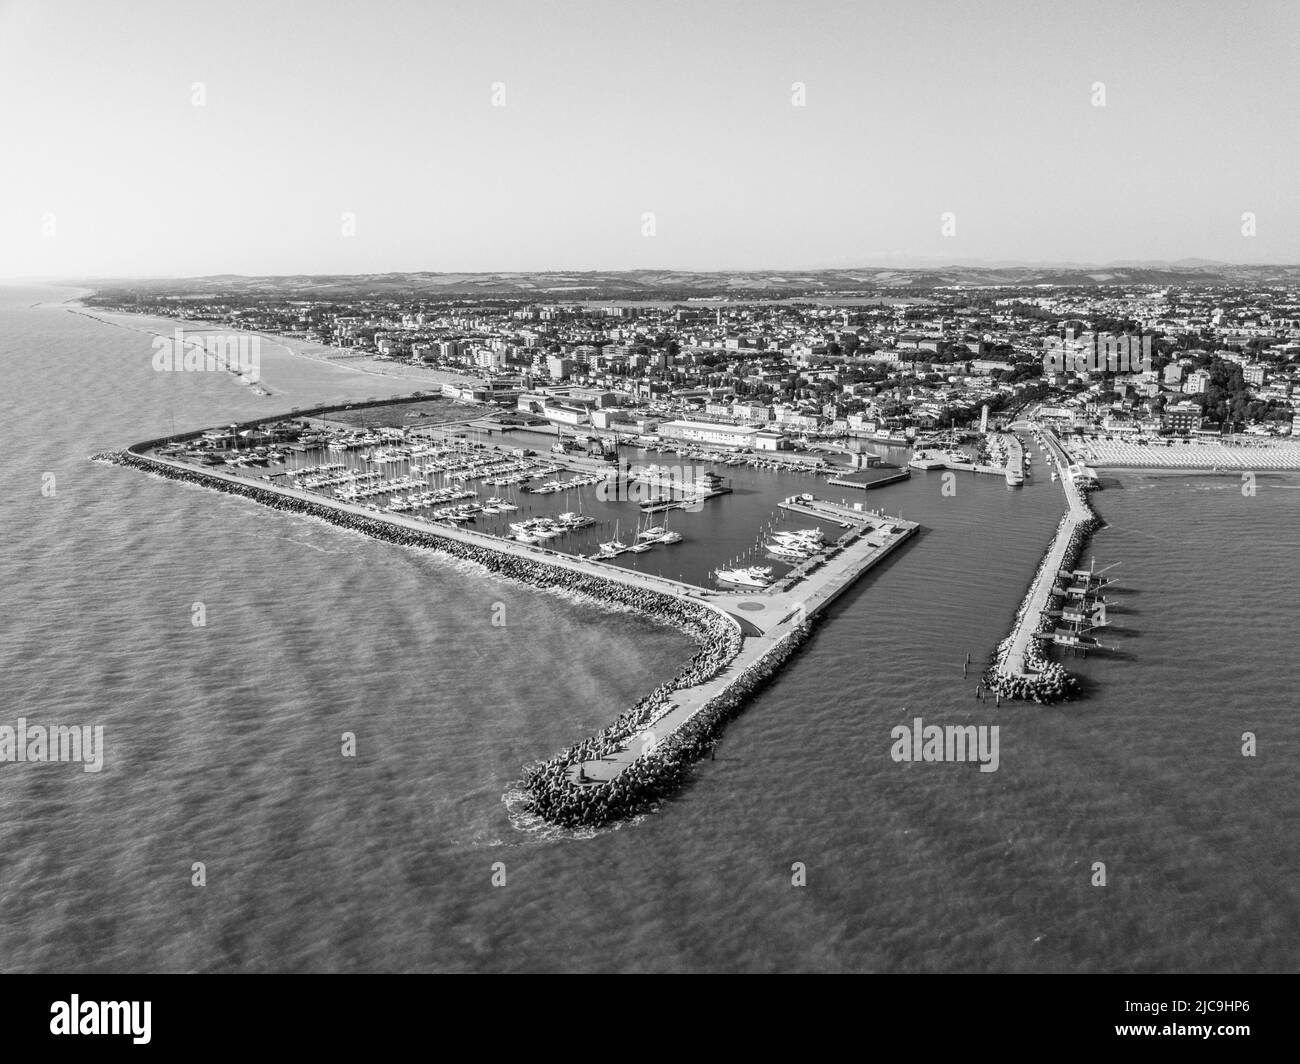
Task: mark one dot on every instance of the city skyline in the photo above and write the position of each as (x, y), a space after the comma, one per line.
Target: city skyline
(565, 137)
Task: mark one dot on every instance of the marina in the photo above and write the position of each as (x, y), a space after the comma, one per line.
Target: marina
(437, 478)
(633, 523)
(746, 626)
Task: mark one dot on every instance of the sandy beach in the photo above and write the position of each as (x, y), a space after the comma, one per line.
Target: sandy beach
(1275, 454)
(334, 356)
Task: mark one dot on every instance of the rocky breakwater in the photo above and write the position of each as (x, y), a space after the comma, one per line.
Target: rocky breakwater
(550, 794)
(556, 796)
(1035, 677)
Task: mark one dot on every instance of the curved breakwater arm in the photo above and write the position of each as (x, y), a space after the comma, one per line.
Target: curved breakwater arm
(553, 795)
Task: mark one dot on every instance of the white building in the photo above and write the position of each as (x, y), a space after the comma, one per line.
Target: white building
(736, 436)
(490, 358)
(565, 415)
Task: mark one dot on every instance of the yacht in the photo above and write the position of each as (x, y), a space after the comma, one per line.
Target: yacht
(744, 577)
(804, 535)
(782, 550)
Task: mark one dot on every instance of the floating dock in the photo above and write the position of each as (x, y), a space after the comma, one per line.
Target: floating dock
(867, 485)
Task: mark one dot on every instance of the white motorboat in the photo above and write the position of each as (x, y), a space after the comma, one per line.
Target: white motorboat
(743, 577)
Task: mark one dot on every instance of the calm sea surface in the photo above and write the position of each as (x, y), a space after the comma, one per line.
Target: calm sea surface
(223, 742)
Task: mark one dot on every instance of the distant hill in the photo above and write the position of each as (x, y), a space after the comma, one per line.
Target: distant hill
(685, 284)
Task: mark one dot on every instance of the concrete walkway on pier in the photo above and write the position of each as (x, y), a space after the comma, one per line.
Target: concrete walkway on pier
(1022, 634)
(774, 615)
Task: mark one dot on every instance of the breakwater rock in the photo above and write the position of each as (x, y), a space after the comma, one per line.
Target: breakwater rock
(557, 797)
(652, 776)
(1043, 681)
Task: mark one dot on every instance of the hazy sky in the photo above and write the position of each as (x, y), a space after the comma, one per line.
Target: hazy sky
(614, 109)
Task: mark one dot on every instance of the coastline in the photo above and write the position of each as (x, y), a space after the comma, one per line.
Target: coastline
(1193, 471)
(358, 362)
(1267, 454)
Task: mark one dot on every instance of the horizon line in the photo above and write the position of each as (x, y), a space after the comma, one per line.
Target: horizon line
(1187, 265)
